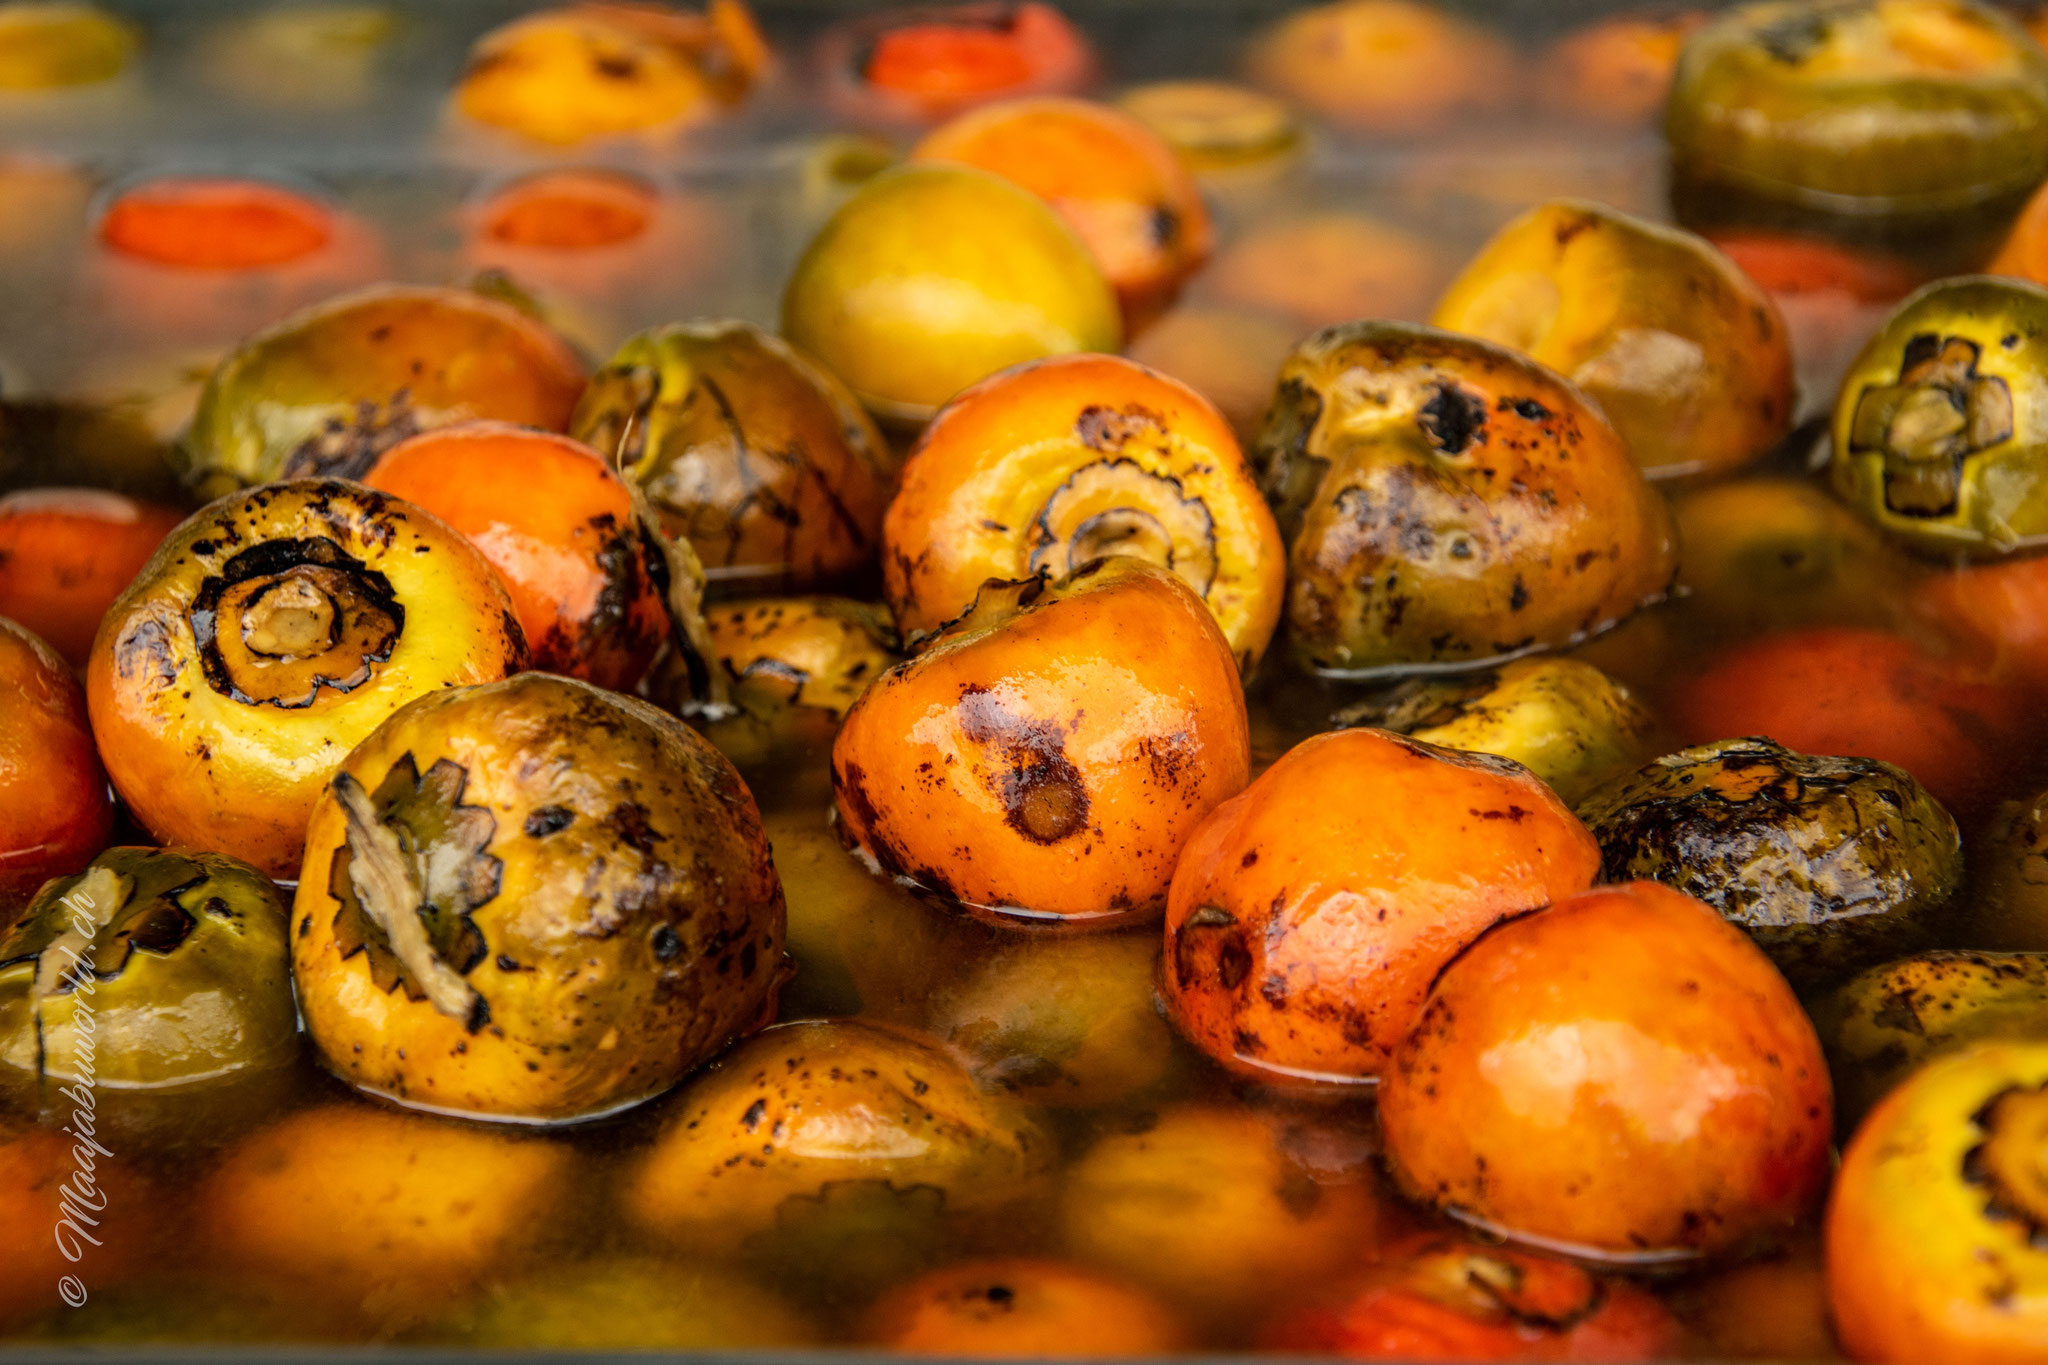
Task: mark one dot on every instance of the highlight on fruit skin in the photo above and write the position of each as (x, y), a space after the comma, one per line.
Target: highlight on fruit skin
(596, 69)
(1933, 1232)
(920, 65)
(755, 455)
(57, 46)
(273, 631)
(1310, 913)
(67, 553)
(1448, 502)
(1683, 352)
(1386, 66)
(1046, 466)
(1623, 1077)
(1044, 757)
(533, 900)
(934, 276)
(54, 811)
(327, 390)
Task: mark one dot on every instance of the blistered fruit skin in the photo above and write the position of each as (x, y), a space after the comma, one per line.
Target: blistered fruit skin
(806, 1108)
(1116, 183)
(1021, 1307)
(1862, 106)
(1219, 1210)
(395, 1210)
(1046, 756)
(1830, 864)
(1437, 1297)
(46, 47)
(1941, 428)
(54, 812)
(584, 911)
(1623, 1075)
(934, 276)
(1883, 1024)
(1385, 66)
(1768, 553)
(1049, 465)
(1934, 1247)
(67, 553)
(327, 390)
(796, 666)
(1360, 857)
(561, 530)
(271, 632)
(759, 458)
(627, 1304)
(1447, 502)
(1682, 351)
(1562, 719)
(191, 980)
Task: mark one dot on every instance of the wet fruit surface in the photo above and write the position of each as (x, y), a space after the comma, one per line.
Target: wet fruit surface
(54, 812)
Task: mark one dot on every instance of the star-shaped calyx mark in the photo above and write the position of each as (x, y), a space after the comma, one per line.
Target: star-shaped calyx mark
(139, 910)
(408, 875)
(1941, 412)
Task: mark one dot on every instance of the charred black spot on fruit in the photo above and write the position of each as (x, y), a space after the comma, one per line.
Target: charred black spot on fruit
(1453, 418)
(1107, 429)
(347, 447)
(546, 820)
(284, 619)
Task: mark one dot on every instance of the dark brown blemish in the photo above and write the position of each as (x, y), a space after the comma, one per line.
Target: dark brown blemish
(1043, 796)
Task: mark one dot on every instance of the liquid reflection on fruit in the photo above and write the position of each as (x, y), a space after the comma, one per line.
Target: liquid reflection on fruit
(388, 1213)
(755, 455)
(329, 389)
(934, 276)
(1290, 896)
(1623, 1076)
(1437, 1297)
(558, 526)
(1884, 1024)
(1863, 107)
(273, 631)
(1563, 719)
(1770, 1309)
(1222, 1211)
(1046, 467)
(1021, 1308)
(1830, 864)
(304, 58)
(67, 553)
(924, 64)
(1617, 70)
(593, 70)
(54, 812)
(1447, 501)
(188, 981)
(1933, 1232)
(1120, 188)
(797, 665)
(1683, 352)
(1940, 434)
(806, 1112)
(1045, 756)
(54, 46)
(1322, 269)
(627, 1304)
(533, 900)
(1386, 66)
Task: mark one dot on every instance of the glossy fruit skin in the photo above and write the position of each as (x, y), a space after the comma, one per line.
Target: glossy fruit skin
(67, 553)
(1045, 466)
(191, 976)
(1862, 107)
(796, 667)
(593, 875)
(1121, 188)
(1438, 1297)
(1223, 1210)
(1307, 919)
(558, 526)
(329, 389)
(1998, 612)
(1623, 1076)
(805, 1107)
(1385, 66)
(589, 71)
(1448, 502)
(919, 65)
(1021, 1307)
(49, 47)
(1012, 284)
(1683, 352)
(1562, 719)
(1830, 864)
(627, 1303)
(395, 1211)
(1928, 1231)
(1883, 1024)
(1046, 756)
(212, 748)
(1769, 553)
(1866, 693)
(757, 456)
(1940, 433)
(54, 811)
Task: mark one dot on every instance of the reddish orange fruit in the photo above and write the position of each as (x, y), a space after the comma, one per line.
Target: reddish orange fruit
(67, 553)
